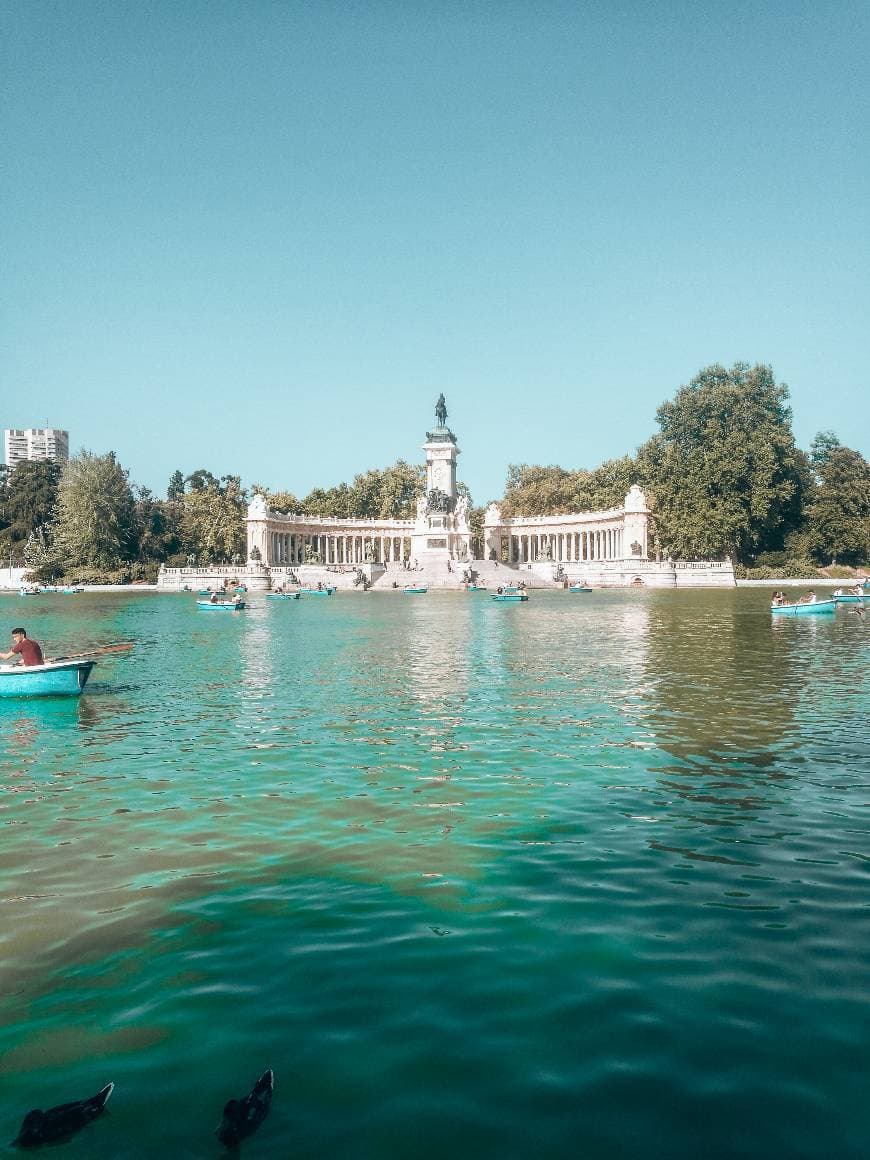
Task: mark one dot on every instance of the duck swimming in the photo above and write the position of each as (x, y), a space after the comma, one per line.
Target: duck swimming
(60, 1123)
(242, 1117)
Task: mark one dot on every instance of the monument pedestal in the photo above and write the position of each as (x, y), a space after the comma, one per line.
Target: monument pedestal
(441, 530)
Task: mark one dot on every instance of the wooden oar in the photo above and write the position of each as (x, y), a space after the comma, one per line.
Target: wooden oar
(101, 650)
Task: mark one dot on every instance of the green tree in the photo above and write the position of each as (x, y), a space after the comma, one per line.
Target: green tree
(333, 501)
(838, 516)
(95, 524)
(157, 527)
(724, 474)
(390, 493)
(399, 487)
(201, 480)
(28, 495)
(175, 490)
(213, 517)
(822, 447)
(475, 524)
(532, 490)
(279, 501)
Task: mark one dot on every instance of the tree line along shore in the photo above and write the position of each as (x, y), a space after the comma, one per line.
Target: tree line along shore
(723, 476)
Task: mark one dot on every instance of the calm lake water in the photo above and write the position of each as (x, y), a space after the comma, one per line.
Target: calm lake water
(586, 877)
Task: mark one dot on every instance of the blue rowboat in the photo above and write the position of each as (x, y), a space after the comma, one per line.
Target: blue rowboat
(53, 679)
(71, 591)
(415, 589)
(851, 599)
(283, 595)
(579, 588)
(316, 591)
(29, 592)
(820, 608)
(513, 596)
(475, 588)
(222, 605)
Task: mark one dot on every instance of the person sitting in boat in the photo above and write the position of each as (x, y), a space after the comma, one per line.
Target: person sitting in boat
(778, 599)
(27, 650)
(213, 598)
(857, 590)
(810, 597)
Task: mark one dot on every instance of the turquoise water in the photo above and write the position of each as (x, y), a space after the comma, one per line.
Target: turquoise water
(582, 877)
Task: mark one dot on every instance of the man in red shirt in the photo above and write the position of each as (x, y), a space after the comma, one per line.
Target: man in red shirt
(24, 647)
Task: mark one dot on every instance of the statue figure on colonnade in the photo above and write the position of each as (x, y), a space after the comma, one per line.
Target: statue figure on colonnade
(441, 411)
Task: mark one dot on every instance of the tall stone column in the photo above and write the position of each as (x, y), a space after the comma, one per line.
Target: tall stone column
(258, 528)
(636, 524)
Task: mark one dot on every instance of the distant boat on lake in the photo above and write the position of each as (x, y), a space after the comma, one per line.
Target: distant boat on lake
(809, 608)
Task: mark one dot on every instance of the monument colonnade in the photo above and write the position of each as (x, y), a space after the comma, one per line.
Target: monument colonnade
(562, 544)
(578, 537)
(292, 540)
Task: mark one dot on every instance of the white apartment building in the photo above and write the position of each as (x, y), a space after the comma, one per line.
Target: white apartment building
(35, 443)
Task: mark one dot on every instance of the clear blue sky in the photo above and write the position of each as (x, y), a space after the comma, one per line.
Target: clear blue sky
(261, 237)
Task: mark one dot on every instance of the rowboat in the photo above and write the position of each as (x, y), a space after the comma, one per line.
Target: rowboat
(29, 592)
(579, 588)
(283, 595)
(819, 608)
(475, 588)
(71, 591)
(53, 679)
(514, 596)
(222, 605)
(316, 591)
(851, 599)
(415, 589)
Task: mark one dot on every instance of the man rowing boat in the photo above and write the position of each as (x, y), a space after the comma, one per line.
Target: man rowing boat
(27, 650)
